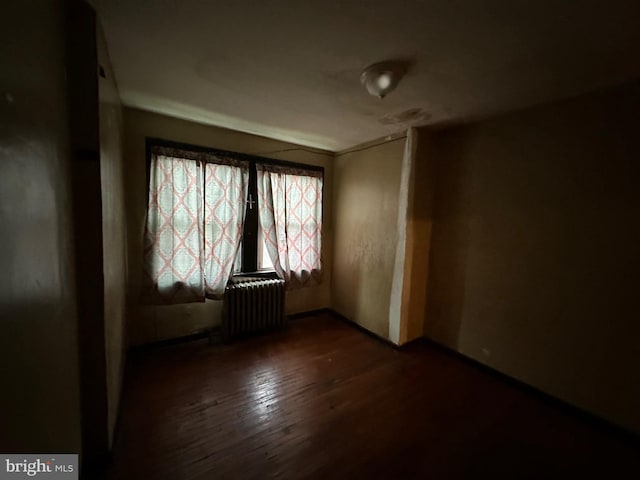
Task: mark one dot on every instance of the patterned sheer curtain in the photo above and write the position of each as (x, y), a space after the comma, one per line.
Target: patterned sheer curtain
(194, 224)
(290, 210)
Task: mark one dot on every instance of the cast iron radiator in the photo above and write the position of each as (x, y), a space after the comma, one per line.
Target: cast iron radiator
(252, 305)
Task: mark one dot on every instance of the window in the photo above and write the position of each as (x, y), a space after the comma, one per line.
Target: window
(212, 213)
(290, 212)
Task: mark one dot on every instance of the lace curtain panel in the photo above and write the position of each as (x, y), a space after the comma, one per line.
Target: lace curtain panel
(194, 224)
(290, 211)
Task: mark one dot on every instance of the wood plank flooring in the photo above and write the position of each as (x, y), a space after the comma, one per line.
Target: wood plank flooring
(323, 400)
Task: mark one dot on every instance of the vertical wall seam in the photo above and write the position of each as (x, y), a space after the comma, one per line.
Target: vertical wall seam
(397, 285)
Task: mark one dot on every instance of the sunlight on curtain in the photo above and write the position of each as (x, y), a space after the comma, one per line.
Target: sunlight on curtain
(225, 194)
(194, 226)
(290, 210)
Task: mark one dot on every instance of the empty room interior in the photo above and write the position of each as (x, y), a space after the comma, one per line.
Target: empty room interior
(321, 239)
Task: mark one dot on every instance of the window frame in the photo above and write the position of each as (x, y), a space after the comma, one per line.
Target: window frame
(249, 242)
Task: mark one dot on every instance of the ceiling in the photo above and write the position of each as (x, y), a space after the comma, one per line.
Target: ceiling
(290, 69)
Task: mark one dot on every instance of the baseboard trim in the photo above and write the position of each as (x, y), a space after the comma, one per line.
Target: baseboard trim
(212, 332)
(585, 415)
(359, 327)
(172, 341)
(373, 334)
(308, 313)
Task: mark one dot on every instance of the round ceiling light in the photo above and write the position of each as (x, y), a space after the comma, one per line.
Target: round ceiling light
(381, 78)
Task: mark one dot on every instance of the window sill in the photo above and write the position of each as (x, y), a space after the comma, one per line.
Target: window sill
(260, 274)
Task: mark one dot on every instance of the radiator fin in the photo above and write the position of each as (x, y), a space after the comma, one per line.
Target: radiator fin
(251, 306)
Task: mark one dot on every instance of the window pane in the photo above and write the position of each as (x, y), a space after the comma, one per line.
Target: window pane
(264, 260)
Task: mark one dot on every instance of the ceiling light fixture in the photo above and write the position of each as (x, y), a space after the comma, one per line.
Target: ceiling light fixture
(381, 78)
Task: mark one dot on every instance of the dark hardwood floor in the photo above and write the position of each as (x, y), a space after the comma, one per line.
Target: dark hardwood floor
(323, 400)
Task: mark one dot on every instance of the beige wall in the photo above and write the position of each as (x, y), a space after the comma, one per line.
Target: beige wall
(113, 229)
(535, 255)
(366, 194)
(39, 405)
(149, 323)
